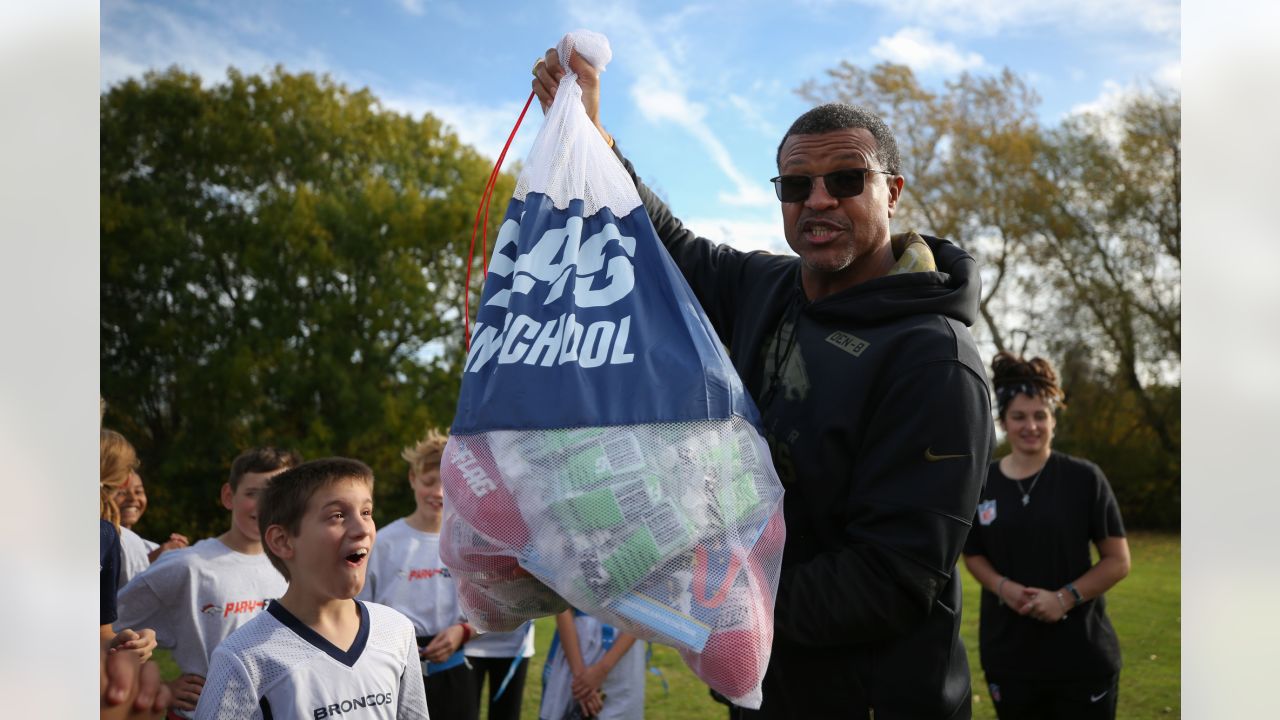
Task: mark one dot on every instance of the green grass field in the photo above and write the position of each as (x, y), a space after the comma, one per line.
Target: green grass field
(1146, 610)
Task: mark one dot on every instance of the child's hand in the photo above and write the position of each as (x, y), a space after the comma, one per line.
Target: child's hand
(1044, 605)
(587, 683)
(141, 642)
(174, 542)
(153, 695)
(444, 644)
(186, 691)
(592, 705)
(124, 676)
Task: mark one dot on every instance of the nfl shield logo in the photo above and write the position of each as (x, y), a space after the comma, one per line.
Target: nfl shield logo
(987, 512)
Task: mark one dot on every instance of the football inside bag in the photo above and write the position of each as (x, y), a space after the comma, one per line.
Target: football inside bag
(604, 453)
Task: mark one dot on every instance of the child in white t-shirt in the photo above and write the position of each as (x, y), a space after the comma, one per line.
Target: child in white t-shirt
(593, 670)
(194, 597)
(407, 574)
(138, 552)
(318, 652)
(503, 658)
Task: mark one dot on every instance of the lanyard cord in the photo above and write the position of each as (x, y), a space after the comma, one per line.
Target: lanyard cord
(515, 662)
(701, 566)
(781, 352)
(483, 210)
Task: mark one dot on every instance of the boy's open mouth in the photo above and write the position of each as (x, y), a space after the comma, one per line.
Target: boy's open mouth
(358, 556)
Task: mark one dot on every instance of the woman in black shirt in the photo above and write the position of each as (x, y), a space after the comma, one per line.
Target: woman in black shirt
(1047, 647)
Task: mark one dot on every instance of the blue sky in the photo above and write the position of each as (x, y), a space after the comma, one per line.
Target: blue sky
(697, 94)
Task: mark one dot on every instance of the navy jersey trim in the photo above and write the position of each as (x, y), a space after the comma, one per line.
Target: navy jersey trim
(265, 707)
(347, 657)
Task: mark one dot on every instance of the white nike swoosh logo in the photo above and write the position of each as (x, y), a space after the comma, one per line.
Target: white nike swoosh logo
(1096, 698)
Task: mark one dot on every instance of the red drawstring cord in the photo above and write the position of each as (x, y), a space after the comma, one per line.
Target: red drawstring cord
(483, 210)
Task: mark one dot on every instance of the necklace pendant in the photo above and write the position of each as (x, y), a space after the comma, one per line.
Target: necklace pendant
(1026, 500)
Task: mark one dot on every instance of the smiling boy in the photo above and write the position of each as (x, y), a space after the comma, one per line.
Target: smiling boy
(194, 597)
(318, 652)
(406, 573)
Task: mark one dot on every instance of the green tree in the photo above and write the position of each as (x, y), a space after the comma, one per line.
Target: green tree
(1103, 422)
(282, 263)
(1112, 236)
(1112, 244)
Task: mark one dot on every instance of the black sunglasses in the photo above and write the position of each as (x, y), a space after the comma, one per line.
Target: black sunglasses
(839, 184)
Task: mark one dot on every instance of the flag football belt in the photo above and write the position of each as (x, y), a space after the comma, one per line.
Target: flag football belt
(449, 663)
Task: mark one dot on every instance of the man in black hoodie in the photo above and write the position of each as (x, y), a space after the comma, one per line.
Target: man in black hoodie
(876, 408)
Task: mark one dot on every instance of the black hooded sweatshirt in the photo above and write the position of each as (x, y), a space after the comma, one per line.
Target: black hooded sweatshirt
(876, 408)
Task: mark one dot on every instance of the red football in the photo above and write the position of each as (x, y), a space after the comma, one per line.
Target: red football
(474, 488)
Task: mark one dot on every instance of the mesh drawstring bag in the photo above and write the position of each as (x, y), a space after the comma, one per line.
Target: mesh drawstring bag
(604, 453)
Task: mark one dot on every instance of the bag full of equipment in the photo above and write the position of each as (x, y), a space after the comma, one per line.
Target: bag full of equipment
(605, 454)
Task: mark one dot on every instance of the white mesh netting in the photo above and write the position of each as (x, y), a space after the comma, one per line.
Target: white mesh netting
(559, 164)
(671, 531)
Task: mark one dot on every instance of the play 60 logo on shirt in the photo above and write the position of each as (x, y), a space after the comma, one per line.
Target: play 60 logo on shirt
(559, 291)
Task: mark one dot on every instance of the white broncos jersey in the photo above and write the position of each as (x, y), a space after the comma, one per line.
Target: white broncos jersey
(275, 667)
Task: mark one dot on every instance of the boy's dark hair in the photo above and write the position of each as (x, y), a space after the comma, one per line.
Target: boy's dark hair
(842, 116)
(261, 460)
(284, 501)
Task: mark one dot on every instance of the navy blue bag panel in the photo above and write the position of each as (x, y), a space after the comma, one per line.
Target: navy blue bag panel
(587, 322)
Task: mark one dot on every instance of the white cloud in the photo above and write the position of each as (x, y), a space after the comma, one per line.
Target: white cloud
(742, 234)
(918, 49)
(1114, 93)
(1105, 106)
(674, 23)
(482, 127)
(752, 117)
(114, 67)
(414, 7)
(1115, 96)
(659, 102)
(990, 17)
(1112, 96)
(136, 39)
(661, 93)
(1170, 75)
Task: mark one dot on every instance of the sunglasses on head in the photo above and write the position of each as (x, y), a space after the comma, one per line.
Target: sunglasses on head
(839, 184)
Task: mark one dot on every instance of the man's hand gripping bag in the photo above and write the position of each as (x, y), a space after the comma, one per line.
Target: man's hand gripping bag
(604, 453)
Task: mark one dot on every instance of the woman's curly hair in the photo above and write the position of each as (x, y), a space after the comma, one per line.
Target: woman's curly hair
(1012, 375)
